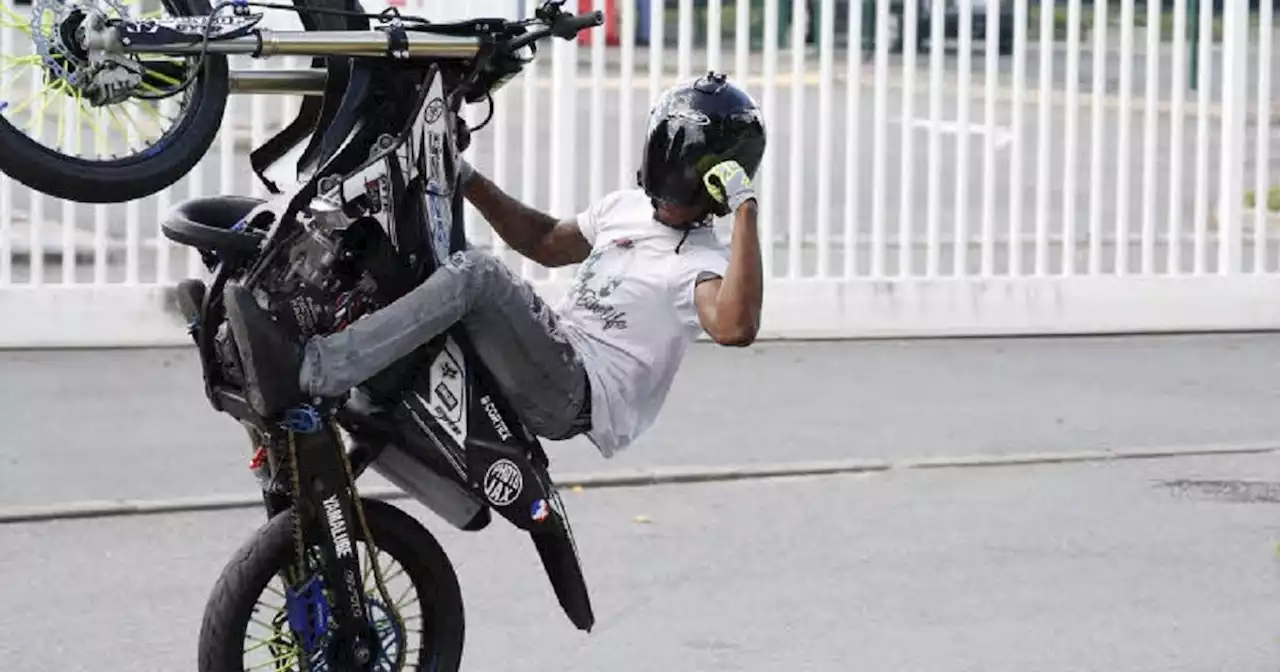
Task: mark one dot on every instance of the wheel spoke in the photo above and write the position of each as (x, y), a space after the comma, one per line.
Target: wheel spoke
(15, 61)
(387, 578)
(274, 608)
(99, 135)
(276, 591)
(9, 75)
(277, 639)
(155, 73)
(40, 118)
(62, 120)
(150, 88)
(400, 601)
(268, 627)
(282, 663)
(54, 86)
(150, 113)
(12, 19)
(124, 131)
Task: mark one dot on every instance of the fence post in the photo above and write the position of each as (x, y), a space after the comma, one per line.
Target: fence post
(564, 109)
(1235, 68)
(1193, 40)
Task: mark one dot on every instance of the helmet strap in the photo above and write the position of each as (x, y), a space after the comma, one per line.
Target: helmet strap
(703, 221)
(683, 238)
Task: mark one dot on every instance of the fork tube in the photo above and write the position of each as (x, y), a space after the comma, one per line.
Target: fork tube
(368, 43)
(301, 81)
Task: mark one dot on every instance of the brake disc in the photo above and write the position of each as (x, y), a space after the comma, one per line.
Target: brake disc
(101, 78)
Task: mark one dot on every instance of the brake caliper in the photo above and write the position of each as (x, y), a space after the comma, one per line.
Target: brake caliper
(109, 77)
(59, 33)
(308, 610)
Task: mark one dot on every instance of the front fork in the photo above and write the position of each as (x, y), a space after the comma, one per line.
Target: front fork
(308, 467)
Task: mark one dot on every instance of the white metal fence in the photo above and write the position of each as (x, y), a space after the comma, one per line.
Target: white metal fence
(1094, 178)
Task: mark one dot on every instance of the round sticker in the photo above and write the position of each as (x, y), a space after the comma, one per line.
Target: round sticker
(435, 108)
(503, 482)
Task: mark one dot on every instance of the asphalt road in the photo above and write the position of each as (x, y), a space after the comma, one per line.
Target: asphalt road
(91, 425)
(1129, 567)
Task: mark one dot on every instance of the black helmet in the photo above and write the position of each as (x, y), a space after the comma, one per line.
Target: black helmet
(692, 127)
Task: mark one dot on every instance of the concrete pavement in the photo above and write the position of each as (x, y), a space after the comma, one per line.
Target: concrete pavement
(92, 425)
(1126, 567)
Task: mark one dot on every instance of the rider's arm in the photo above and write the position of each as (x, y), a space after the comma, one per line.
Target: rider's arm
(729, 306)
(532, 233)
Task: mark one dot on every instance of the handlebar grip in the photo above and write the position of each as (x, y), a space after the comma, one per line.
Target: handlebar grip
(568, 27)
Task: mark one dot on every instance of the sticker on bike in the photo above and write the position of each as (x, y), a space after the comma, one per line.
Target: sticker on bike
(503, 482)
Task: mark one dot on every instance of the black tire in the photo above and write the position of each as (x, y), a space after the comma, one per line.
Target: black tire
(261, 558)
(116, 181)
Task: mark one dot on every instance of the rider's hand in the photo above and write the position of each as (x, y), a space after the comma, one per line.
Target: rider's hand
(729, 186)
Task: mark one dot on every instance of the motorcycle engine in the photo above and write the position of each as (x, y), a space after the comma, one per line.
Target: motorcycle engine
(318, 287)
(322, 286)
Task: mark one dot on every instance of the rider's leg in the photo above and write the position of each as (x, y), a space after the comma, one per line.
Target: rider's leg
(518, 337)
(472, 287)
(513, 331)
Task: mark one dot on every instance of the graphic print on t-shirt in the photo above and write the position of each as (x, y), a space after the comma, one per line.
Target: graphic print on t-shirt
(591, 292)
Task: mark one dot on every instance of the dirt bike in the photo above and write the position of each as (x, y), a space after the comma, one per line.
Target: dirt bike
(375, 210)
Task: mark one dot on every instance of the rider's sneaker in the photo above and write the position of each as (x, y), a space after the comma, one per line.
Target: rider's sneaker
(271, 359)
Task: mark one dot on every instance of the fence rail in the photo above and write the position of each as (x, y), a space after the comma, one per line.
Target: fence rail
(1016, 167)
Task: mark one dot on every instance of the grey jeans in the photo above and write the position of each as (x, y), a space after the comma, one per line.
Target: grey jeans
(513, 331)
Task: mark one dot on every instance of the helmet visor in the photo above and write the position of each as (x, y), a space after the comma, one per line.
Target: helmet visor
(675, 158)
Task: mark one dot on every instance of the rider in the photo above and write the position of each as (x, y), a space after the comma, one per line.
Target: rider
(653, 276)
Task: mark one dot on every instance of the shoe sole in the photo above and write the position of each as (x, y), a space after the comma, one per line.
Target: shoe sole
(190, 297)
(232, 296)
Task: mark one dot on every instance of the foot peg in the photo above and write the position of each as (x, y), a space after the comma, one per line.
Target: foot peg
(270, 358)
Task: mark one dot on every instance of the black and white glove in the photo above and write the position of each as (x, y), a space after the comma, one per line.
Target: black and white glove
(729, 186)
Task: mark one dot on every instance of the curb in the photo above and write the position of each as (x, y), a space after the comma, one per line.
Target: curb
(644, 477)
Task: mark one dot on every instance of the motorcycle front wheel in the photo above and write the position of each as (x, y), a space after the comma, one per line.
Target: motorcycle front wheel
(249, 597)
(54, 141)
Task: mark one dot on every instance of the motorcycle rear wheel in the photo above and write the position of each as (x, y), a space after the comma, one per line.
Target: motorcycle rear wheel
(247, 579)
(143, 174)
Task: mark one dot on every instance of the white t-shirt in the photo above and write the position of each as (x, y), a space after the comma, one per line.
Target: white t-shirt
(630, 311)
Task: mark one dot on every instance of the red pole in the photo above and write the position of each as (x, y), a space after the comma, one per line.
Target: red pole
(611, 28)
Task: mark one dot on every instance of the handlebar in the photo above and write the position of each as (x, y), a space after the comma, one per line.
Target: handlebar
(412, 38)
(565, 26)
